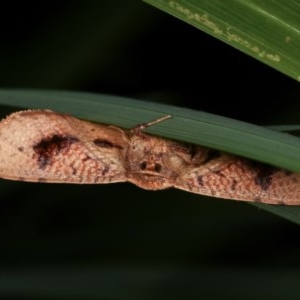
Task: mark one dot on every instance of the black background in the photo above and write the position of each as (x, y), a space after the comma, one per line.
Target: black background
(117, 241)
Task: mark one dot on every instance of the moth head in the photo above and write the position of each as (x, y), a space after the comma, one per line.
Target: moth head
(154, 163)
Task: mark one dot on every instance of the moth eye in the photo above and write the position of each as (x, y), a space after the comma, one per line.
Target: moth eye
(157, 168)
(143, 165)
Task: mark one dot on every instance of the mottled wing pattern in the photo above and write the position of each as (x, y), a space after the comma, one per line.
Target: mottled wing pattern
(51, 147)
(236, 178)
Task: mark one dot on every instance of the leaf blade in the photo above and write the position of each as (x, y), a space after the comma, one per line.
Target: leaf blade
(266, 30)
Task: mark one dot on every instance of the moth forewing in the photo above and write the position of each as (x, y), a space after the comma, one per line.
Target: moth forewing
(236, 178)
(51, 147)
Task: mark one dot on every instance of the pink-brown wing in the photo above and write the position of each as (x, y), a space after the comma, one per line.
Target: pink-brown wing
(236, 178)
(51, 147)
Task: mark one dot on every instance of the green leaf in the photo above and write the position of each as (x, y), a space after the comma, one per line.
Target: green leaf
(187, 125)
(291, 213)
(267, 30)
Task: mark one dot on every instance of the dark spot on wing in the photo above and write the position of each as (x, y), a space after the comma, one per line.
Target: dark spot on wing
(21, 149)
(264, 173)
(87, 157)
(219, 173)
(264, 178)
(51, 146)
(74, 170)
(106, 144)
(233, 185)
(200, 180)
(104, 170)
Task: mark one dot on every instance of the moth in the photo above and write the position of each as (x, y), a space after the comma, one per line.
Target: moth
(45, 146)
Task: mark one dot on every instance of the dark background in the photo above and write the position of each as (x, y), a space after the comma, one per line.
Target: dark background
(118, 241)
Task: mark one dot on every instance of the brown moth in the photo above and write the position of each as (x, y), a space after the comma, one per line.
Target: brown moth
(44, 146)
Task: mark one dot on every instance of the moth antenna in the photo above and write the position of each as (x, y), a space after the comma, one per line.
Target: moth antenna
(142, 126)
